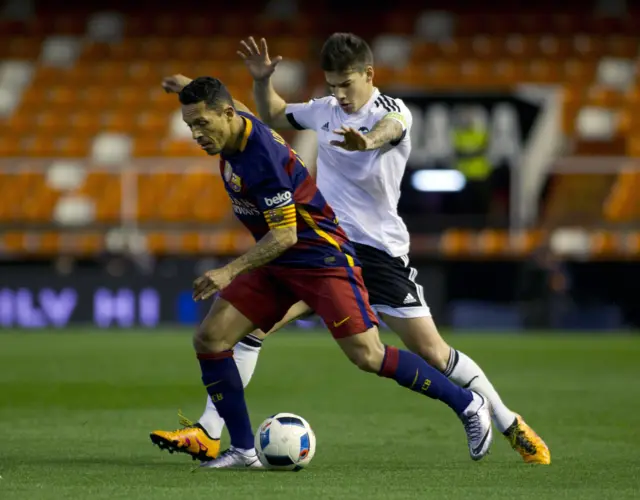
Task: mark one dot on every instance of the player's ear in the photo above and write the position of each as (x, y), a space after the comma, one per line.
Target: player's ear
(368, 71)
(229, 112)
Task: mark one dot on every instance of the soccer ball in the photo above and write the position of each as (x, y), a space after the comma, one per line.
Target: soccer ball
(285, 442)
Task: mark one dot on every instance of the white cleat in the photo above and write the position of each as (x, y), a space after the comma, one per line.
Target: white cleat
(234, 459)
(476, 419)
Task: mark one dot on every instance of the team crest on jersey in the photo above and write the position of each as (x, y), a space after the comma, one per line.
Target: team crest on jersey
(233, 180)
(275, 215)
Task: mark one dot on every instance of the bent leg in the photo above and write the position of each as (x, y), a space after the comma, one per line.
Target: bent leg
(246, 354)
(422, 337)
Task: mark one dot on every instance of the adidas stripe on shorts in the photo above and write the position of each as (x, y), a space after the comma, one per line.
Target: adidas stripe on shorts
(391, 282)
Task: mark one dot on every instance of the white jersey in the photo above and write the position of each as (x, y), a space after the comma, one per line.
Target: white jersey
(362, 187)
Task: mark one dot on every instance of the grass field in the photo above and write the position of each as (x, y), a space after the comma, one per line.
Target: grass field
(76, 411)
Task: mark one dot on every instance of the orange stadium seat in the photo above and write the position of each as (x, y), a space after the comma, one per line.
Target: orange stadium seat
(73, 146)
(422, 52)
(147, 146)
(95, 97)
(456, 242)
(20, 124)
(182, 148)
(120, 121)
(84, 123)
(143, 72)
(10, 144)
(50, 122)
(27, 48)
(110, 73)
(289, 47)
(95, 51)
(131, 98)
(150, 122)
(122, 51)
(62, 98)
(509, 71)
(191, 48)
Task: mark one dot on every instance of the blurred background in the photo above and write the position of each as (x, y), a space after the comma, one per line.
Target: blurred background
(521, 193)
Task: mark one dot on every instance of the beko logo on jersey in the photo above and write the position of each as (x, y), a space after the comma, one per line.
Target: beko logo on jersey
(279, 199)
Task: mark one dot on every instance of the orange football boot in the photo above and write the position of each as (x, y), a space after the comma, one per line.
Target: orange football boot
(192, 439)
(525, 441)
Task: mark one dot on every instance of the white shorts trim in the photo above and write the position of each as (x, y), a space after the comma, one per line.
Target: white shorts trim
(421, 311)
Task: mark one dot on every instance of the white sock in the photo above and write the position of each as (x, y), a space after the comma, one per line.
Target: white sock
(245, 354)
(465, 372)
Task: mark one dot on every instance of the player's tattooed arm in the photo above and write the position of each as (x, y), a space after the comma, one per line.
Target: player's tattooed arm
(386, 131)
(270, 246)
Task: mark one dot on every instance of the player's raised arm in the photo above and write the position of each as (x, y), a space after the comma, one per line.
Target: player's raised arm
(271, 107)
(175, 83)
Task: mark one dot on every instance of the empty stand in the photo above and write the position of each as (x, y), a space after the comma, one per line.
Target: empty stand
(112, 86)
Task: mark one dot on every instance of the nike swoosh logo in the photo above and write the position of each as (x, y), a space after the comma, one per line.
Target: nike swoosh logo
(213, 383)
(468, 384)
(478, 448)
(338, 323)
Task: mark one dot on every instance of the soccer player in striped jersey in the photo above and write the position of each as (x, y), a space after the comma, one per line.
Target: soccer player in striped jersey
(301, 254)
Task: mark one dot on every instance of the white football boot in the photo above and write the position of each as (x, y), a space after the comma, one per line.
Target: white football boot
(234, 459)
(476, 419)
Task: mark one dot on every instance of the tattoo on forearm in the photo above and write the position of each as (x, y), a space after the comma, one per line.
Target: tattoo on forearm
(386, 130)
(270, 246)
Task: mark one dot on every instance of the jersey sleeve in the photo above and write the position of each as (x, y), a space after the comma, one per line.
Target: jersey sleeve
(308, 115)
(396, 109)
(272, 189)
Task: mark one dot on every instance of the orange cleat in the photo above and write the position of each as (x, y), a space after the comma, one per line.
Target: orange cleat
(192, 439)
(525, 441)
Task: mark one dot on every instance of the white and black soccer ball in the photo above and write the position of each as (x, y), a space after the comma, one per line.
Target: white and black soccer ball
(286, 442)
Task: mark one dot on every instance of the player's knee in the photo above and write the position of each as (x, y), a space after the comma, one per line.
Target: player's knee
(204, 341)
(367, 356)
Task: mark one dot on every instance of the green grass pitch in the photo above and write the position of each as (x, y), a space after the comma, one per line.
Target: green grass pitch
(76, 410)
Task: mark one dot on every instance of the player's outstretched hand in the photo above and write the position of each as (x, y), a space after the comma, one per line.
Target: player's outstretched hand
(175, 83)
(353, 140)
(211, 282)
(257, 58)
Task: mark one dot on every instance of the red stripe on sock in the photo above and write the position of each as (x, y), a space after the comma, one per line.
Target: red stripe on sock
(214, 355)
(390, 361)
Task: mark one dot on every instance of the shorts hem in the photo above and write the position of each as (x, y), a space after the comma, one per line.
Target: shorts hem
(249, 313)
(403, 312)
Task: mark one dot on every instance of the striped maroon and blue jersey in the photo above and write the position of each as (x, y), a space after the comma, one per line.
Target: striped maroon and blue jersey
(270, 187)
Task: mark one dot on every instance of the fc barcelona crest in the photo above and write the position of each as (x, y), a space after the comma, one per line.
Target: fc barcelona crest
(233, 180)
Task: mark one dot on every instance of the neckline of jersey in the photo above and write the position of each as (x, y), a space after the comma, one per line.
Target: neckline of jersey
(374, 95)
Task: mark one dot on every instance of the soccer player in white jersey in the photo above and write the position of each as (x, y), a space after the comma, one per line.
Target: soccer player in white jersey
(363, 146)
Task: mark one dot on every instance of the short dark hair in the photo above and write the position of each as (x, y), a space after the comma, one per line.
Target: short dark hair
(208, 89)
(344, 51)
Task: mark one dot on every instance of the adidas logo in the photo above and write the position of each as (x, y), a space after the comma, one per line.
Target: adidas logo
(409, 299)
(325, 127)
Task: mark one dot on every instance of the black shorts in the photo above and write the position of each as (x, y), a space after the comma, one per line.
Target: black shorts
(391, 283)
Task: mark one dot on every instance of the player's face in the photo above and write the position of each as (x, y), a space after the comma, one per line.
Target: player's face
(351, 88)
(210, 128)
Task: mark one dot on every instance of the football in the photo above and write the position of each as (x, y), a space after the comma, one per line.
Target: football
(285, 442)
